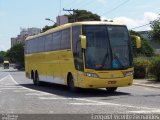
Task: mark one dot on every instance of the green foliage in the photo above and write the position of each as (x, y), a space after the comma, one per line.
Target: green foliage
(155, 32)
(145, 50)
(16, 54)
(79, 15)
(2, 56)
(2, 53)
(135, 33)
(83, 15)
(140, 66)
(155, 68)
(48, 27)
(144, 67)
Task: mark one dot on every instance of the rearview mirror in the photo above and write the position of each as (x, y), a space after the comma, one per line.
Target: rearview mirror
(83, 41)
(137, 40)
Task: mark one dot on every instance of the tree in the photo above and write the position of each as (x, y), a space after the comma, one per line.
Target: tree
(155, 32)
(78, 15)
(2, 56)
(48, 27)
(83, 15)
(16, 54)
(145, 50)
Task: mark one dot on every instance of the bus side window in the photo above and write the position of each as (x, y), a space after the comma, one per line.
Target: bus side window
(48, 43)
(65, 41)
(57, 36)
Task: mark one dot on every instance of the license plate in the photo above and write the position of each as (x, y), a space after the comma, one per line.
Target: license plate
(112, 82)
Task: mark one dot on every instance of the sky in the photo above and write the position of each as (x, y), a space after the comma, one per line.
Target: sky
(16, 14)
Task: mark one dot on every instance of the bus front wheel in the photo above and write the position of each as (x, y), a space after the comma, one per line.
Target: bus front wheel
(71, 85)
(111, 90)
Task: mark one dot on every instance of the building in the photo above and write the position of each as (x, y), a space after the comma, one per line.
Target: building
(155, 43)
(23, 34)
(61, 20)
(145, 35)
(30, 31)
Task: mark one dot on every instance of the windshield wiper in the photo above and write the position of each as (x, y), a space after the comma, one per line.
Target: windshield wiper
(103, 62)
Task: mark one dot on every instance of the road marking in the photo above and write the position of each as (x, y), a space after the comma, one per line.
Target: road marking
(98, 102)
(13, 79)
(20, 90)
(92, 102)
(58, 98)
(4, 78)
(87, 104)
(87, 100)
(10, 88)
(7, 86)
(144, 85)
(29, 89)
(142, 112)
(38, 94)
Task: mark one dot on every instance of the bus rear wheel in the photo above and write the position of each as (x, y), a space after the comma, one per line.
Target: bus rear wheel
(36, 80)
(71, 85)
(111, 90)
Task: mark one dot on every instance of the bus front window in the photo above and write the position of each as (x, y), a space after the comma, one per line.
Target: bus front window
(97, 47)
(120, 45)
(107, 47)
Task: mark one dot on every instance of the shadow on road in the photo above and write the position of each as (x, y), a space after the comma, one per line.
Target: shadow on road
(62, 90)
(11, 70)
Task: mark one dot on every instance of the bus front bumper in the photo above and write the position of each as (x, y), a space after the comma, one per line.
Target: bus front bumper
(89, 82)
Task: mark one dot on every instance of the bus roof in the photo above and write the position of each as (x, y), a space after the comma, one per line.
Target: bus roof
(6, 62)
(73, 24)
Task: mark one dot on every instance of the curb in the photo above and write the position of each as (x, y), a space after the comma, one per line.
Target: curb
(152, 86)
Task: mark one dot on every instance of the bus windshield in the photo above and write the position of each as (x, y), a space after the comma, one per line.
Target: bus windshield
(108, 47)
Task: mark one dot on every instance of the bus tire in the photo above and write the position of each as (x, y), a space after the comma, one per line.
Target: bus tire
(36, 79)
(70, 84)
(32, 75)
(111, 90)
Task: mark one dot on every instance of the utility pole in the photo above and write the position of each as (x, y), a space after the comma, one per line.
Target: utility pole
(71, 10)
(60, 7)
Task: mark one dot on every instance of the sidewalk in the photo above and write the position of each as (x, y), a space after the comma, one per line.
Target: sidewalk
(146, 83)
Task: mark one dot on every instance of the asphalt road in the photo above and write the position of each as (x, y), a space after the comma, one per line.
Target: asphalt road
(18, 95)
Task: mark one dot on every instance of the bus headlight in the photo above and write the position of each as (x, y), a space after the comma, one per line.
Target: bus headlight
(128, 73)
(91, 75)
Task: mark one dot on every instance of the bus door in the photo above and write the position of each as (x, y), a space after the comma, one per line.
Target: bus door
(77, 53)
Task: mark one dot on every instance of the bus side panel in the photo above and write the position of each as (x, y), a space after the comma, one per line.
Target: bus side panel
(28, 66)
(67, 65)
(47, 66)
(53, 72)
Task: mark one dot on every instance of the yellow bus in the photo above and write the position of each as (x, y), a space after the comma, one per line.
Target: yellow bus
(6, 64)
(81, 55)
